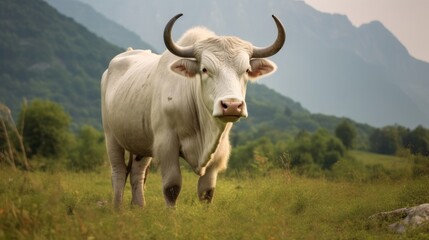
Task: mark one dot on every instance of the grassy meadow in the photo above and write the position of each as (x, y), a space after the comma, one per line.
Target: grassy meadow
(277, 205)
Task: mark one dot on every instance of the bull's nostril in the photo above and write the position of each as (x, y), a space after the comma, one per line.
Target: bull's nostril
(224, 105)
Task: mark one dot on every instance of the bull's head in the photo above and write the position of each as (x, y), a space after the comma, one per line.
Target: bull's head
(225, 65)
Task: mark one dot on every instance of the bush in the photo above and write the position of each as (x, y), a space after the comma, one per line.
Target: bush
(46, 130)
(346, 132)
(421, 166)
(377, 172)
(415, 192)
(319, 149)
(89, 151)
(301, 159)
(49, 141)
(258, 156)
(348, 169)
(418, 141)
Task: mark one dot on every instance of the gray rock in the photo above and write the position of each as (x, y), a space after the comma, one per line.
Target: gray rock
(408, 217)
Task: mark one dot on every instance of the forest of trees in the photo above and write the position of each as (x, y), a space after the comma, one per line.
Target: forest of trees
(50, 143)
(393, 139)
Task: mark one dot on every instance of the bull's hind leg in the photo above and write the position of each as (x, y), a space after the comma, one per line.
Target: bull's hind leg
(116, 156)
(138, 176)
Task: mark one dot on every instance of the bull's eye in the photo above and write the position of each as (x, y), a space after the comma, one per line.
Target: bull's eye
(248, 70)
(204, 70)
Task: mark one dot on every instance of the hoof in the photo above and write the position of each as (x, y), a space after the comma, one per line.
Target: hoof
(207, 196)
(171, 194)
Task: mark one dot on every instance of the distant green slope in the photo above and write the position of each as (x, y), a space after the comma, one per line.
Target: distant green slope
(276, 116)
(46, 55)
(99, 24)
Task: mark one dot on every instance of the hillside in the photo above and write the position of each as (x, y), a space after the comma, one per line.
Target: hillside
(46, 55)
(279, 118)
(58, 59)
(99, 24)
(328, 65)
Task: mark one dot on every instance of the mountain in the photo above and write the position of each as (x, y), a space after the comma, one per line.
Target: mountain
(44, 54)
(99, 24)
(327, 64)
(47, 55)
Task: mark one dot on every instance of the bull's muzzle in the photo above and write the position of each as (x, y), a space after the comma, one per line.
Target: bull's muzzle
(230, 109)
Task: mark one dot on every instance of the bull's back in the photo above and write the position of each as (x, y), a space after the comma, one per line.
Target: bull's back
(126, 100)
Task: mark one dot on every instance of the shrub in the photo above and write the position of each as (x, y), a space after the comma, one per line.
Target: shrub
(46, 128)
(261, 165)
(346, 132)
(88, 153)
(377, 172)
(259, 155)
(348, 169)
(420, 166)
(418, 141)
(320, 149)
(415, 192)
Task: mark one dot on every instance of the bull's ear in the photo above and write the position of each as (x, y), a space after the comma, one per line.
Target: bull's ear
(185, 67)
(261, 67)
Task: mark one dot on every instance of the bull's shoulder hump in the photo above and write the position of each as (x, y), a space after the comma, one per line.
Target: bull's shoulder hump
(131, 61)
(126, 59)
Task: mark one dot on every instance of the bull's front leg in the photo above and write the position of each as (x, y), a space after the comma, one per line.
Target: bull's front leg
(171, 180)
(138, 176)
(167, 153)
(207, 184)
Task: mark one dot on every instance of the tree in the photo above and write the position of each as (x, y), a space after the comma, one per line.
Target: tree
(387, 140)
(346, 132)
(89, 150)
(418, 141)
(320, 149)
(250, 155)
(46, 129)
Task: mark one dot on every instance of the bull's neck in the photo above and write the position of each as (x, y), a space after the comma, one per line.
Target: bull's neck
(211, 129)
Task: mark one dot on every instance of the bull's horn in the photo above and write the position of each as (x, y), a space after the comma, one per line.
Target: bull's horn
(276, 46)
(186, 52)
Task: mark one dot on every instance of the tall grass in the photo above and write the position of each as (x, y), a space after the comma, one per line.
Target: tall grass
(279, 205)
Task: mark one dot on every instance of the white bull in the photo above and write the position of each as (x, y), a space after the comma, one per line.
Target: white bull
(178, 104)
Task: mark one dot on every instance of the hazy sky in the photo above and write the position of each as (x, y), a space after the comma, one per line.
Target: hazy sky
(408, 20)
